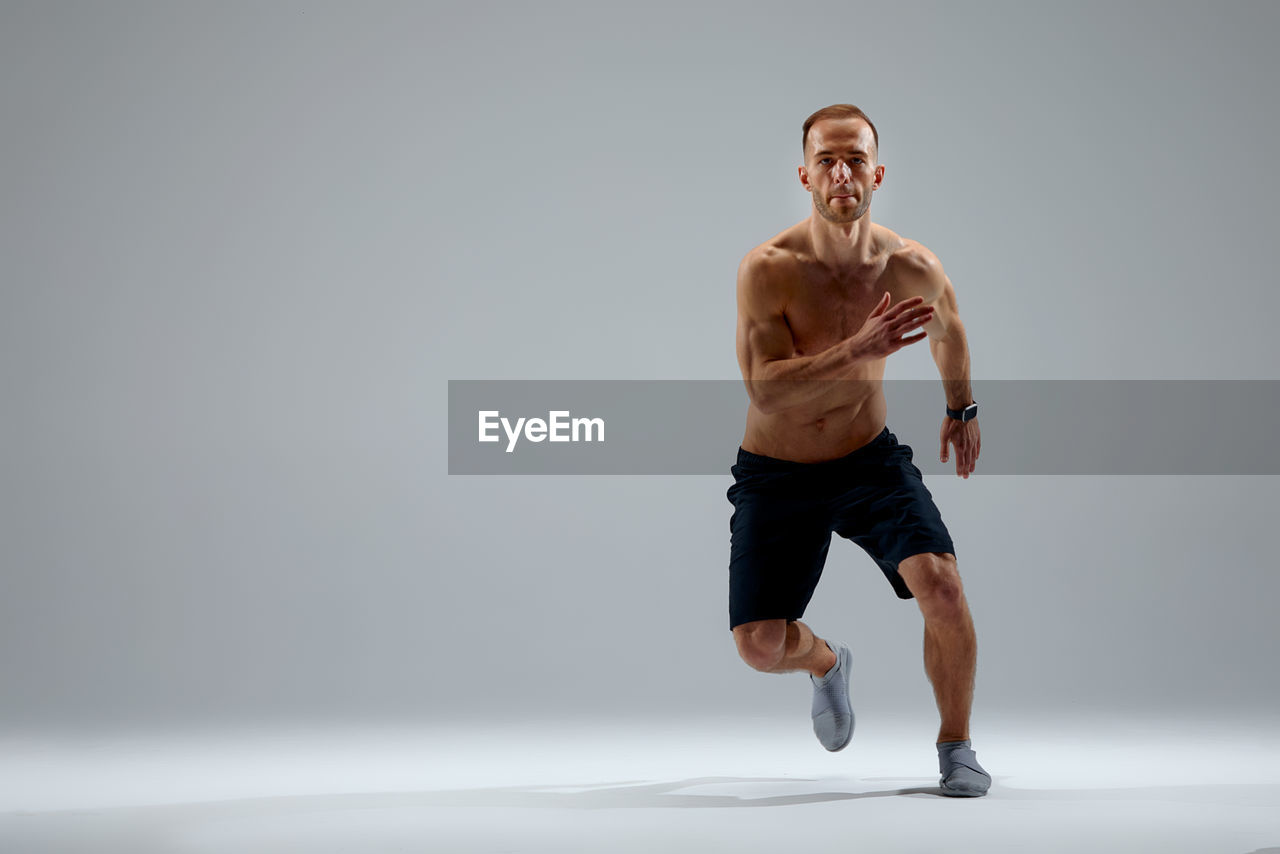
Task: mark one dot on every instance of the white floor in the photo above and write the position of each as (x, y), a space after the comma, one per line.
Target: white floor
(1120, 785)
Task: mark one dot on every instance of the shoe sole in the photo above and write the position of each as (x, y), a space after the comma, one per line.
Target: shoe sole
(960, 793)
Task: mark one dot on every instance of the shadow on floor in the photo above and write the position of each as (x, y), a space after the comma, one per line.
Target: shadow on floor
(627, 794)
(647, 795)
(643, 794)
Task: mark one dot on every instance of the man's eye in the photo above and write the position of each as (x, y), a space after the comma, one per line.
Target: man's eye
(825, 160)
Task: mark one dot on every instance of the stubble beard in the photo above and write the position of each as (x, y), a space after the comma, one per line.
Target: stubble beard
(830, 215)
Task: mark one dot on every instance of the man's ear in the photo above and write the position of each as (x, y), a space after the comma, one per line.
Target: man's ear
(804, 177)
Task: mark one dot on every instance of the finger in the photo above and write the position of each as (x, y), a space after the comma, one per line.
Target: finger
(915, 317)
(901, 308)
(880, 306)
(902, 342)
(914, 311)
(905, 305)
(942, 454)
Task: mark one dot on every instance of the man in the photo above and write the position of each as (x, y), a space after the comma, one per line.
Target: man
(820, 307)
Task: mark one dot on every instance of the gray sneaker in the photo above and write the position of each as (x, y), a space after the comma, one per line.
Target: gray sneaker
(832, 714)
(962, 776)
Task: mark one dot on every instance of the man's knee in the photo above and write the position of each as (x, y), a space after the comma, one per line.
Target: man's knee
(761, 643)
(934, 580)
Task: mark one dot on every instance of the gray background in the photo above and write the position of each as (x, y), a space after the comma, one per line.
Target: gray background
(246, 245)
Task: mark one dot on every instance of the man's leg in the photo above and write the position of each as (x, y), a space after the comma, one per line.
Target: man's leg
(950, 659)
(776, 646)
(950, 644)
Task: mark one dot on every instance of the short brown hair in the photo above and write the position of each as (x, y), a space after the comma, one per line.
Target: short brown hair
(839, 111)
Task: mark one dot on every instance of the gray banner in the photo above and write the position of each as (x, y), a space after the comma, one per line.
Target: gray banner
(1088, 427)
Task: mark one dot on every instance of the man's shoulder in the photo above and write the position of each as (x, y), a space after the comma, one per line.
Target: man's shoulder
(765, 260)
(912, 256)
(768, 260)
(916, 268)
(761, 276)
(767, 271)
(777, 254)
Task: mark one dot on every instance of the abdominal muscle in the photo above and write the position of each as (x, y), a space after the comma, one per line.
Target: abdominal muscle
(818, 431)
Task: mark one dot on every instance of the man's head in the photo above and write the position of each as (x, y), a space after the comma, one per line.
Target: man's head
(841, 169)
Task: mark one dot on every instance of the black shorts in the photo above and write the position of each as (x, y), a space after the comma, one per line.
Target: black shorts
(785, 511)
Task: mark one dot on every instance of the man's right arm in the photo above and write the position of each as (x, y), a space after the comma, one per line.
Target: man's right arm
(775, 377)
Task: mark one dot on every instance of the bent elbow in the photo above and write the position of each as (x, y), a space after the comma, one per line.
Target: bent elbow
(763, 403)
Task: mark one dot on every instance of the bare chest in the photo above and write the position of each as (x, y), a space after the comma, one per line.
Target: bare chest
(822, 311)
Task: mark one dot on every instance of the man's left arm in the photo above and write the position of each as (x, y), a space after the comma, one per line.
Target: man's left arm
(950, 351)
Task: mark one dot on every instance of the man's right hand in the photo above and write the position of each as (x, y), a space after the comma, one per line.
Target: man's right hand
(883, 332)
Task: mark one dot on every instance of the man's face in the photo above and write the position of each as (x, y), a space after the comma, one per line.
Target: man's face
(840, 168)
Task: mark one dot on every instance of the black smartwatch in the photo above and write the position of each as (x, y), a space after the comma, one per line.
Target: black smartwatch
(969, 413)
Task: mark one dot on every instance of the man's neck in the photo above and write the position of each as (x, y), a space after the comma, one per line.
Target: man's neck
(842, 246)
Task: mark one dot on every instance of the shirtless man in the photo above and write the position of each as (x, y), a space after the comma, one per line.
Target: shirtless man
(820, 307)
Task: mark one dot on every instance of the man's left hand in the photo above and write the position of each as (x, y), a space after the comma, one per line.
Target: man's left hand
(966, 438)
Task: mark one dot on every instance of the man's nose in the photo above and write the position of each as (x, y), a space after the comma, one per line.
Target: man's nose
(842, 172)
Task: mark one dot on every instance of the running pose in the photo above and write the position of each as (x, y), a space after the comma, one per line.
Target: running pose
(820, 307)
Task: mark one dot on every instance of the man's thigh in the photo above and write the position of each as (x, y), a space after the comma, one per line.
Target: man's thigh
(778, 547)
(893, 517)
